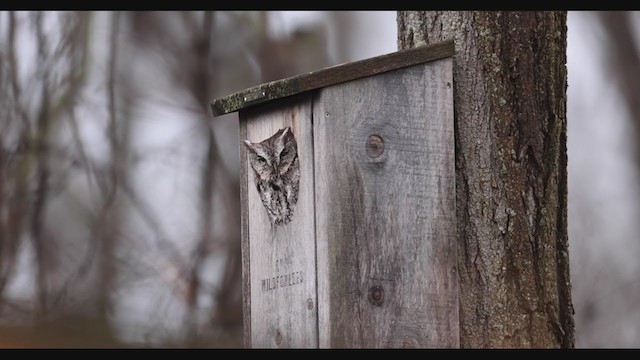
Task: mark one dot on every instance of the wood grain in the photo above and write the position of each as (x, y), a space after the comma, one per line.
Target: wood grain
(244, 236)
(331, 76)
(387, 222)
(281, 269)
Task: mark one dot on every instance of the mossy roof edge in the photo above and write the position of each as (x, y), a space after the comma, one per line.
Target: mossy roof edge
(333, 75)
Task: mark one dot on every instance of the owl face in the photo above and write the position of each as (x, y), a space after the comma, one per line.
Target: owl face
(272, 158)
(277, 174)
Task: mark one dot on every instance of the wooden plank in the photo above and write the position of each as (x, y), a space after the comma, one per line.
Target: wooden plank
(331, 76)
(282, 270)
(244, 235)
(386, 230)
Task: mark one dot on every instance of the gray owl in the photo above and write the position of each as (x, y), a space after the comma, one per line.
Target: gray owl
(277, 173)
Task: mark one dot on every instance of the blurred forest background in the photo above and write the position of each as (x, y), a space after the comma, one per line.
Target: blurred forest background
(119, 196)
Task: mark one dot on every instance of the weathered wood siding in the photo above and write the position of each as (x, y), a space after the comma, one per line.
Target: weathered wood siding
(385, 210)
(279, 260)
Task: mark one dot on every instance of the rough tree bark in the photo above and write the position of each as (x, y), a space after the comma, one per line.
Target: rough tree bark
(511, 172)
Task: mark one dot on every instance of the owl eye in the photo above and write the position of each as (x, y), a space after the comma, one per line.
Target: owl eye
(262, 160)
(284, 153)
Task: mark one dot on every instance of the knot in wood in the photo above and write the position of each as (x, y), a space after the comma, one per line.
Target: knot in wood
(278, 337)
(375, 146)
(376, 295)
(408, 342)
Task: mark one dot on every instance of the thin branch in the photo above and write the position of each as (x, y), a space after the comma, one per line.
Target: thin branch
(91, 171)
(78, 67)
(106, 223)
(200, 86)
(39, 204)
(11, 54)
(162, 242)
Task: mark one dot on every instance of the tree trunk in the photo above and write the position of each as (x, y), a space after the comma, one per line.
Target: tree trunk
(511, 172)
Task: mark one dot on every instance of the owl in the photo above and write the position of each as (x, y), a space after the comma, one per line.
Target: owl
(277, 173)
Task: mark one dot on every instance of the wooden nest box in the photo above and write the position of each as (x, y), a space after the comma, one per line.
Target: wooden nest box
(348, 204)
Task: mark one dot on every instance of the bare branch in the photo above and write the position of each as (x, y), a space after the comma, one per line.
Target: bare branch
(43, 172)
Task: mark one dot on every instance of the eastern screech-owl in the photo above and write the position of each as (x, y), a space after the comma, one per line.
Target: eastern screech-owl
(277, 173)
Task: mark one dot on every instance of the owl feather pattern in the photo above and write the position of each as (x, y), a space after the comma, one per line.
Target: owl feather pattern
(277, 173)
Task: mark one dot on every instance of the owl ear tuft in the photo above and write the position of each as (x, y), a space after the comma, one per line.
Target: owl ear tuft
(249, 145)
(285, 133)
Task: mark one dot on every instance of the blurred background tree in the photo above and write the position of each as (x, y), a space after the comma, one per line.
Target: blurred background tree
(603, 129)
(119, 211)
